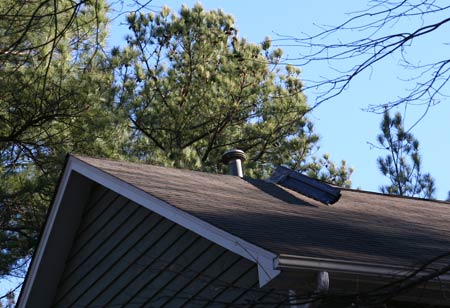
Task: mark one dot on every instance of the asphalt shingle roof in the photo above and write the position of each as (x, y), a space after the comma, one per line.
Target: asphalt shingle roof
(361, 226)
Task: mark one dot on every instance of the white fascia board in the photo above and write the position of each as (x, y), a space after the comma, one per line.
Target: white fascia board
(263, 258)
(344, 266)
(37, 257)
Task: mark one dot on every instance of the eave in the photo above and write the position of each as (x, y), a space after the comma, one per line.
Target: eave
(291, 262)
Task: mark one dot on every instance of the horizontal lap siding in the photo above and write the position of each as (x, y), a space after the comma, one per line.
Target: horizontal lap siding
(126, 255)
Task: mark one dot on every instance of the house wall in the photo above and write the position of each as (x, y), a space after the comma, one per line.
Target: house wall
(125, 254)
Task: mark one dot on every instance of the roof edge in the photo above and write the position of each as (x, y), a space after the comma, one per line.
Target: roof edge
(47, 231)
(286, 262)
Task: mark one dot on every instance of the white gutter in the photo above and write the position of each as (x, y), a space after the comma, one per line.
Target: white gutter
(350, 267)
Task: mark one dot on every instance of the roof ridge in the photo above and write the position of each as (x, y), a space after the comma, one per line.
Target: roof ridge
(362, 191)
(113, 160)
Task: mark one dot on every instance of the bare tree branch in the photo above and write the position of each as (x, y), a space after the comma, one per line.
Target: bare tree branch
(368, 38)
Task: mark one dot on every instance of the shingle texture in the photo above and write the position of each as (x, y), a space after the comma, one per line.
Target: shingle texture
(361, 226)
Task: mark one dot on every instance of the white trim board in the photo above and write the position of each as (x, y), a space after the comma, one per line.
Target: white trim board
(263, 258)
(56, 239)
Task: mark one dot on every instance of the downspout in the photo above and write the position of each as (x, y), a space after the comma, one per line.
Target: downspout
(322, 287)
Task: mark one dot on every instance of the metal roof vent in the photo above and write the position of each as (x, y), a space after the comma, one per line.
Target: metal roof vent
(234, 158)
(305, 185)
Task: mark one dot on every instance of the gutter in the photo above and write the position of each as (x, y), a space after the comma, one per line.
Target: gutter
(292, 262)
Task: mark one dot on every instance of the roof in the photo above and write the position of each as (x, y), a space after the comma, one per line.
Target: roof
(360, 236)
(359, 227)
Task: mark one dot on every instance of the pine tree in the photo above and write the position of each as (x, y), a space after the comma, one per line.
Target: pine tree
(54, 81)
(191, 89)
(403, 163)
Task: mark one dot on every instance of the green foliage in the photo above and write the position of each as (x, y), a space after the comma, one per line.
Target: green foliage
(24, 201)
(327, 171)
(54, 85)
(192, 89)
(403, 163)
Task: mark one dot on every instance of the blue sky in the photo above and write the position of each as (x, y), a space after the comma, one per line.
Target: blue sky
(345, 128)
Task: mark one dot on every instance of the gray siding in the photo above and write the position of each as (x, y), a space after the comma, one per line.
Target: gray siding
(126, 255)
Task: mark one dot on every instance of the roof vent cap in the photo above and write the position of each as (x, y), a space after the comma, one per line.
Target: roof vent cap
(312, 188)
(234, 158)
